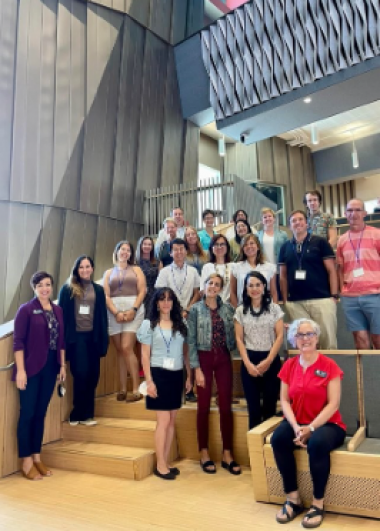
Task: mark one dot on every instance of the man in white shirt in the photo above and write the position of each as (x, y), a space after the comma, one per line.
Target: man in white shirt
(181, 278)
(177, 215)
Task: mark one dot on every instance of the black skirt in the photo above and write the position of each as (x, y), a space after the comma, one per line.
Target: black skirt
(169, 386)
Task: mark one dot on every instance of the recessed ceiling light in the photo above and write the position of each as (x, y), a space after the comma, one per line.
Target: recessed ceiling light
(307, 100)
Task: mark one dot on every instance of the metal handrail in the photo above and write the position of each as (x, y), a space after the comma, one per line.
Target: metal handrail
(7, 367)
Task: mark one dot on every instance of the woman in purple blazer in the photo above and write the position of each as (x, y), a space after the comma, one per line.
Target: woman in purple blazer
(38, 343)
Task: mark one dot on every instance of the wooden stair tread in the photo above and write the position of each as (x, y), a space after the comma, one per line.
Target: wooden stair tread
(129, 424)
(98, 449)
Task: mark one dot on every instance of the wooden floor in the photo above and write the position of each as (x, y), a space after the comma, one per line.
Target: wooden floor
(72, 501)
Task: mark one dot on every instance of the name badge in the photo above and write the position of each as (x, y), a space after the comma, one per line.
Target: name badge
(168, 364)
(321, 374)
(36, 312)
(84, 309)
(358, 272)
(300, 274)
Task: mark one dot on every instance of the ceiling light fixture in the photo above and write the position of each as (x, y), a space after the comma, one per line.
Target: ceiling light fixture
(307, 100)
(355, 158)
(314, 135)
(221, 147)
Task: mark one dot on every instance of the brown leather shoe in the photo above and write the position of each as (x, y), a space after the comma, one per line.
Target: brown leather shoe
(42, 469)
(120, 397)
(135, 397)
(33, 474)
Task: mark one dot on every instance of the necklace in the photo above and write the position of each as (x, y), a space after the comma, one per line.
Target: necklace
(179, 289)
(227, 272)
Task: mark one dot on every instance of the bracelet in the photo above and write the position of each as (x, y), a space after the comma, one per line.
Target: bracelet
(135, 308)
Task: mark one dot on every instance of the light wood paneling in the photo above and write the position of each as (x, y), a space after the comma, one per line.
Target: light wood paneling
(191, 154)
(265, 161)
(241, 160)
(297, 179)
(51, 243)
(160, 18)
(109, 232)
(281, 169)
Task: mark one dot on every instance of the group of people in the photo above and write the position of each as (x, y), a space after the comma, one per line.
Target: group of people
(191, 299)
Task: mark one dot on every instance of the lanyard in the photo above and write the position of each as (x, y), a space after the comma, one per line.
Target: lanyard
(357, 250)
(179, 289)
(299, 258)
(167, 344)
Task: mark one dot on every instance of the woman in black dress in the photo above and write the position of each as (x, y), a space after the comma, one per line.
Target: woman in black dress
(149, 265)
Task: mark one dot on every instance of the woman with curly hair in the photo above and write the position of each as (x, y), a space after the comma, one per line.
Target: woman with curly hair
(259, 334)
(164, 355)
(196, 256)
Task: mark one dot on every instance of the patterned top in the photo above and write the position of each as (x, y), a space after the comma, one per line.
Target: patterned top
(320, 224)
(259, 332)
(218, 331)
(53, 329)
(150, 271)
(360, 250)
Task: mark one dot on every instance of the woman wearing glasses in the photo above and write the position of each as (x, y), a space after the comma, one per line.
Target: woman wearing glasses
(310, 398)
(259, 334)
(220, 263)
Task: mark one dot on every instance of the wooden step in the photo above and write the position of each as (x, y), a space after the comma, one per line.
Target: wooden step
(108, 406)
(102, 459)
(123, 432)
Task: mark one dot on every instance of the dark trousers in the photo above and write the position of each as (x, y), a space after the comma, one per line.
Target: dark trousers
(267, 386)
(321, 443)
(34, 401)
(85, 368)
(215, 362)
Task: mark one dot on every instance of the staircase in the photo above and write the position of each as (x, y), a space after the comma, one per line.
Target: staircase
(121, 444)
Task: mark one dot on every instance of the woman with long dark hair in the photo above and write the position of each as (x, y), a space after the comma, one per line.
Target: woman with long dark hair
(211, 339)
(196, 256)
(242, 228)
(164, 356)
(259, 334)
(125, 289)
(85, 316)
(38, 344)
(149, 265)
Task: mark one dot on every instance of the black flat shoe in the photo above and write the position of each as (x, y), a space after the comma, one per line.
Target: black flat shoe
(175, 471)
(230, 467)
(296, 510)
(207, 464)
(168, 475)
(312, 513)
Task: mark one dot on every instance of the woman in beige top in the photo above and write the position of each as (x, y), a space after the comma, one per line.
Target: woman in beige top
(125, 289)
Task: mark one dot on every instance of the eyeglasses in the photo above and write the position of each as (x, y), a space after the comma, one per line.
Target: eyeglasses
(220, 245)
(354, 210)
(307, 335)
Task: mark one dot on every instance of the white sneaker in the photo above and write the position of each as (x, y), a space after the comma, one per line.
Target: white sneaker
(88, 422)
(73, 422)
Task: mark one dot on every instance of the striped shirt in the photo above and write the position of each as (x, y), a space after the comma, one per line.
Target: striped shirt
(360, 250)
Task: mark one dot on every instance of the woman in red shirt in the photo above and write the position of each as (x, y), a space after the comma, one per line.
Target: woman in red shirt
(310, 397)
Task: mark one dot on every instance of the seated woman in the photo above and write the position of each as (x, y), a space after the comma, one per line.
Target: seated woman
(162, 336)
(242, 228)
(211, 339)
(38, 343)
(196, 256)
(310, 398)
(259, 334)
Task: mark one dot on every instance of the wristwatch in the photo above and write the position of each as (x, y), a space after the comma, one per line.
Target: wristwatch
(335, 296)
(136, 309)
(312, 429)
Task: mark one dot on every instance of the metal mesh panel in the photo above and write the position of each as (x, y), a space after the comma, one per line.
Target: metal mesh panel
(343, 491)
(270, 47)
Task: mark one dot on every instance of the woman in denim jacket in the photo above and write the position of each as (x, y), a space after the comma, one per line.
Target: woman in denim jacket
(211, 338)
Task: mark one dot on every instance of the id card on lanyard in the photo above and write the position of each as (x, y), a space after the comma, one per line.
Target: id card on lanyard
(300, 274)
(358, 271)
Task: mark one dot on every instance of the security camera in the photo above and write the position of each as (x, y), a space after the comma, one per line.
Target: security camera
(243, 137)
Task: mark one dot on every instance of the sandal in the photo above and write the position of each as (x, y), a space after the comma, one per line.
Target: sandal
(120, 397)
(205, 466)
(135, 397)
(230, 467)
(42, 469)
(312, 513)
(296, 508)
(33, 474)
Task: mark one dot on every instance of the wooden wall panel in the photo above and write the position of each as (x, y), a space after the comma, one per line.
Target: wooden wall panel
(281, 169)
(335, 200)
(109, 232)
(69, 103)
(342, 199)
(51, 243)
(173, 129)
(191, 154)
(128, 121)
(179, 15)
(151, 118)
(308, 168)
(265, 161)
(160, 18)
(8, 39)
(296, 177)
(241, 160)
(104, 39)
(76, 242)
(10, 412)
(138, 10)
(4, 238)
